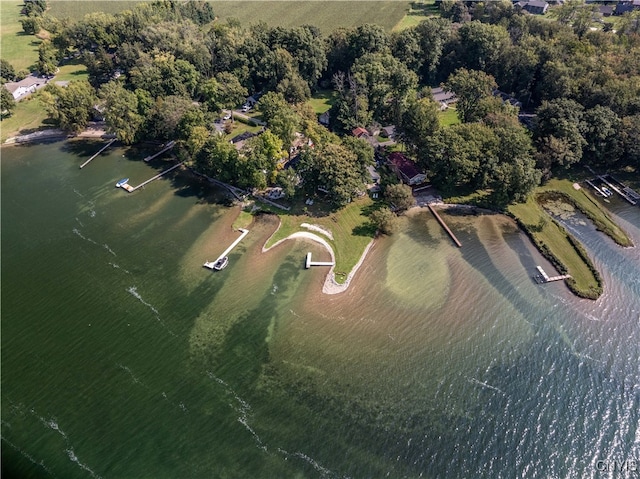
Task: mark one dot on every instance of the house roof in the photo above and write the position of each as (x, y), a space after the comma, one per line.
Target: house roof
(359, 131)
(441, 95)
(27, 82)
(404, 165)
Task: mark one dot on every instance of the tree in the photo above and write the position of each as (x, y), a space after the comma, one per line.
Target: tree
(279, 116)
(558, 133)
(7, 72)
(70, 107)
(384, 220)
(400, 196)
(630, 140)
(470, 86)
(31, 25)
(7, 103)
(218, 158)
(121, 112)
(47, 58)
(602, 134)
(331, 168)
(419, 122)
(481, 45)
(461, 155)
(165, 115)
(386, 82)
(287, 180)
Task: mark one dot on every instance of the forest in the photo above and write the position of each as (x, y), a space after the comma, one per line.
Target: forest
(167, 70)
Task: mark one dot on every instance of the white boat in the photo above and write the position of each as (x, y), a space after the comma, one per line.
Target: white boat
(606, 191)
(122, 182)
(221, 263)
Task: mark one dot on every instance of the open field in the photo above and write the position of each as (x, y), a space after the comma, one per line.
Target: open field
(326, 15)
(28, 116)
(348, 226)
(17, 48)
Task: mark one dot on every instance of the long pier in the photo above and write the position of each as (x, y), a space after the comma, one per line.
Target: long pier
(308, 263)
(131, 189)
(166, 148)
(210, 264)
(444, 225)
(543, 277)
(101, 150)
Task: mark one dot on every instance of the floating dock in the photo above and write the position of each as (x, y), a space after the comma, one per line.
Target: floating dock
(444, 225)
(167, 147)
(101, 150)
(543, 277)
(308, 263)
(623, 190)
(131, 189)
(210, 264)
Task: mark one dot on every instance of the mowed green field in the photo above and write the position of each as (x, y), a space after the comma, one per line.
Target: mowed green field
(326, 15)
(17, 48)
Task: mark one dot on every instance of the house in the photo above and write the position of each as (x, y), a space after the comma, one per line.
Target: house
(444, 98)
(605, 10)
(406, 169)
(239, 140)
(535, 7)
(506, 98)
(388, 131)
(360, 132)
(253, 99)
(25, 87)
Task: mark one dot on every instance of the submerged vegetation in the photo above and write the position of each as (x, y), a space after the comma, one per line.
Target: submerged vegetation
(535, 97)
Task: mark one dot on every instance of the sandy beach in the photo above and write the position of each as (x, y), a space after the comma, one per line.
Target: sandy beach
(330, 286)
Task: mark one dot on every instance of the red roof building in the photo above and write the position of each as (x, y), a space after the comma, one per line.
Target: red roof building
(359, 132)
(406, 169)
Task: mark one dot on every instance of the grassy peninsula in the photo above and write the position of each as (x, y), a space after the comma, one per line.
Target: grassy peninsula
(558, 245)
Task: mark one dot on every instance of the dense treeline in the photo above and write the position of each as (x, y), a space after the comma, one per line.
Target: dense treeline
(165, 69)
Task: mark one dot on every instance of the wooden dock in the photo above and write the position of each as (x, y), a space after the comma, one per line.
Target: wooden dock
(94, 156)
(626, 192)
(210, 264)
(131, 189)
(167, 147)
(444, 225)
(308, 263)
(543, 277)
(618, 190)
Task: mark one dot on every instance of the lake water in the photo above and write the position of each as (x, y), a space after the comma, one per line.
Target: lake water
(123, 358)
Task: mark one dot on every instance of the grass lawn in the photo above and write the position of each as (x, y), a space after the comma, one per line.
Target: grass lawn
(418, 12)
(322, 101)
(449, 117)
(17, 48)
(74, 70)
(28, 116)
(349, 227)
(239, 128)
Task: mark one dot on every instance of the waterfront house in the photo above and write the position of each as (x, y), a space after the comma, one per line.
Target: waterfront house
(25, 87)
(406, 169)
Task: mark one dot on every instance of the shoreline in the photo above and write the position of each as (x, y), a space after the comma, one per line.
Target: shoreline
(330, 285)
(96, 131)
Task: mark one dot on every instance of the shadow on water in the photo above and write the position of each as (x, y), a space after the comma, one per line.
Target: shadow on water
(245, 350)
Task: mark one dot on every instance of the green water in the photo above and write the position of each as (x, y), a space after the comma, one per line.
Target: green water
(123, 358)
